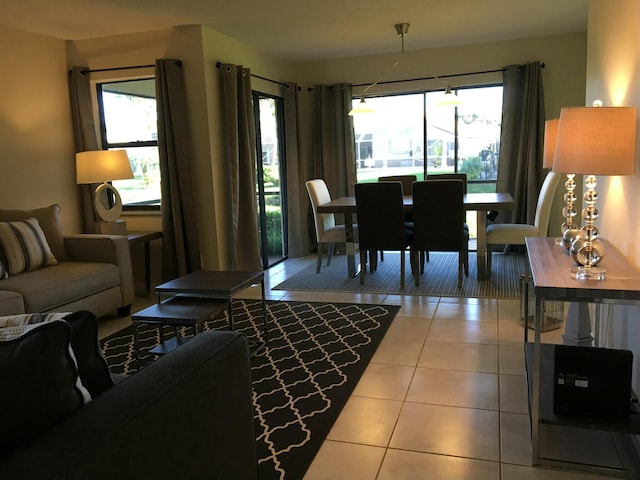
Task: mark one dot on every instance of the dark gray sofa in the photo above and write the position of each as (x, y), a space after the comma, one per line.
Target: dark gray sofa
(188, 415)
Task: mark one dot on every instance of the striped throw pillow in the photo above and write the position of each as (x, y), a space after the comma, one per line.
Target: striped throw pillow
(3, 271)
(24, 246)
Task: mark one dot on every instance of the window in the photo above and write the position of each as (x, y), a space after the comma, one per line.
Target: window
(128, 120)
(458, 139)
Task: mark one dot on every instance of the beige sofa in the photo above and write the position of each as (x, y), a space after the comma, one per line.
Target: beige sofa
(91, 272)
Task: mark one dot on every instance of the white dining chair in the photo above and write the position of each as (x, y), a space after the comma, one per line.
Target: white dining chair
(515, 233)
(328, 233)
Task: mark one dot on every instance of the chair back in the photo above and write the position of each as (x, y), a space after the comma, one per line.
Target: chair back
(450, 176)
(319, 194)
(439, 215)
(381, 224)
(405, 180)
(545, 201)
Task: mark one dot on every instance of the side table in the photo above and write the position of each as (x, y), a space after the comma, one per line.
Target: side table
(221, 285)
(145, 238)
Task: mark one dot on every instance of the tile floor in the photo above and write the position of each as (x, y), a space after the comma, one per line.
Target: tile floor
(444, 397)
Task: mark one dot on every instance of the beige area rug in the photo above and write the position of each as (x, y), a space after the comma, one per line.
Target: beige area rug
(440, 277)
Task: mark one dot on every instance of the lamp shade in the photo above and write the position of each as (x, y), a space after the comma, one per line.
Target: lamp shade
(550, 136)
(596, 141)
(99, 166)
(362, 107)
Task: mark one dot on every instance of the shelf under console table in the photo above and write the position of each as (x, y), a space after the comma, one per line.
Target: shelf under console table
(568, 441)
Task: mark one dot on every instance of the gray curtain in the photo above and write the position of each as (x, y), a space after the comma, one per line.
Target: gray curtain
(334, 157)
(181, 250)
(521, 142)
(85, 139)
(240, 161)
(298, 240)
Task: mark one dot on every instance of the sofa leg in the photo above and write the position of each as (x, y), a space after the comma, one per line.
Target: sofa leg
(124, 311)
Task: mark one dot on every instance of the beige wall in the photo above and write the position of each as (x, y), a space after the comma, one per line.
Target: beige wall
(36, 141)
(613, 76)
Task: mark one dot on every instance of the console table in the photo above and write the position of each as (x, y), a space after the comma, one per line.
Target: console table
(563, 440)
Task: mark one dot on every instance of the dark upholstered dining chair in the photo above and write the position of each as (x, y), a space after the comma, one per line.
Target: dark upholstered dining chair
(405, 180)
(439, 216)
(381, 223)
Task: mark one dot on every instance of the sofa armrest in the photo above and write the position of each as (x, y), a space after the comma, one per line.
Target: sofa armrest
(107, 249)
(187, 415)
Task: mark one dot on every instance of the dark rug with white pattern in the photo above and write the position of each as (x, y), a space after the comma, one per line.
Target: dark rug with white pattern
(315, 355)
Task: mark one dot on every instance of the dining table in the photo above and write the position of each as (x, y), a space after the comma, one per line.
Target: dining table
(482, 203)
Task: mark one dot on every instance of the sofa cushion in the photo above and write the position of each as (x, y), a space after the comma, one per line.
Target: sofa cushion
(48, 288)
(49, 220)
(11, 303)
(92, 365)
(24, 246)
(38, 369)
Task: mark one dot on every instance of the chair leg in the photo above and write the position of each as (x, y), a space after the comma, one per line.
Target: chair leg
(460, 265)
(382, 255)
(330, 253)
(320, 254)
(416, 257)
(466, 262)
(363, 265)
(488, 259)
(402, 252)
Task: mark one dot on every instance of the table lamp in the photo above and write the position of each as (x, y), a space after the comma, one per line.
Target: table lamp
(568, 230)
(103, 166)
(594, 141)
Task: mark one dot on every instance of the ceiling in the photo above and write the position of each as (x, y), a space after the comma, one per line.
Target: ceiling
(304, 29)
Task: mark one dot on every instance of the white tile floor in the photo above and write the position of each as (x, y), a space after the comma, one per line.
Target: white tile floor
(444, 397)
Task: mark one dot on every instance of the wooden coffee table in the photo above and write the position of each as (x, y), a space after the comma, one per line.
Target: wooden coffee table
(192, 299)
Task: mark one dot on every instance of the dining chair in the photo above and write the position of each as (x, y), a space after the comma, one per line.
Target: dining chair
(450, 176)
(328, 233)
(381, 224)
(439, 214)
(515, 233)
(405, 180)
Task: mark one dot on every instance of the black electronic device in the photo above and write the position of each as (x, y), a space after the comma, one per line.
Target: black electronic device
(592, 382)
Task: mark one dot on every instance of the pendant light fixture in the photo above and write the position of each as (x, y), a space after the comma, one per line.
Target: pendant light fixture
(401, 29)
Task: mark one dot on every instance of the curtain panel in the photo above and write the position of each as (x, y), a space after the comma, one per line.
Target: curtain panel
(520, 169)
(85, 138)
(181, 250)
(334, 156)
(296, 174)
(240, 161)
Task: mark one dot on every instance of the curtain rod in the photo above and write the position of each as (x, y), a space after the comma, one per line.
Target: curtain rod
(434, 77)
(220, 65)
(116, 68)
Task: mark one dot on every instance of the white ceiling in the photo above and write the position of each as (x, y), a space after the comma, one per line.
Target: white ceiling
(304, 29)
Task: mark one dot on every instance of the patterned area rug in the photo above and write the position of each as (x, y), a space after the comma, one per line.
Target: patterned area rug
(315, 356)
(440, 277)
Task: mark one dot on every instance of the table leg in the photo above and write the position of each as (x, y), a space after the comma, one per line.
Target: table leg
(230, 312)
(481, 241)
(264, 314)
(350, 245)
(147, 269)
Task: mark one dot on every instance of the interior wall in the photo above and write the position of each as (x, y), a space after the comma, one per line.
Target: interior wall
(36, 139)
(613, 76)
(564, 74)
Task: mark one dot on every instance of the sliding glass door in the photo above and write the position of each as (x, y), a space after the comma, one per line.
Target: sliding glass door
(270, 184)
